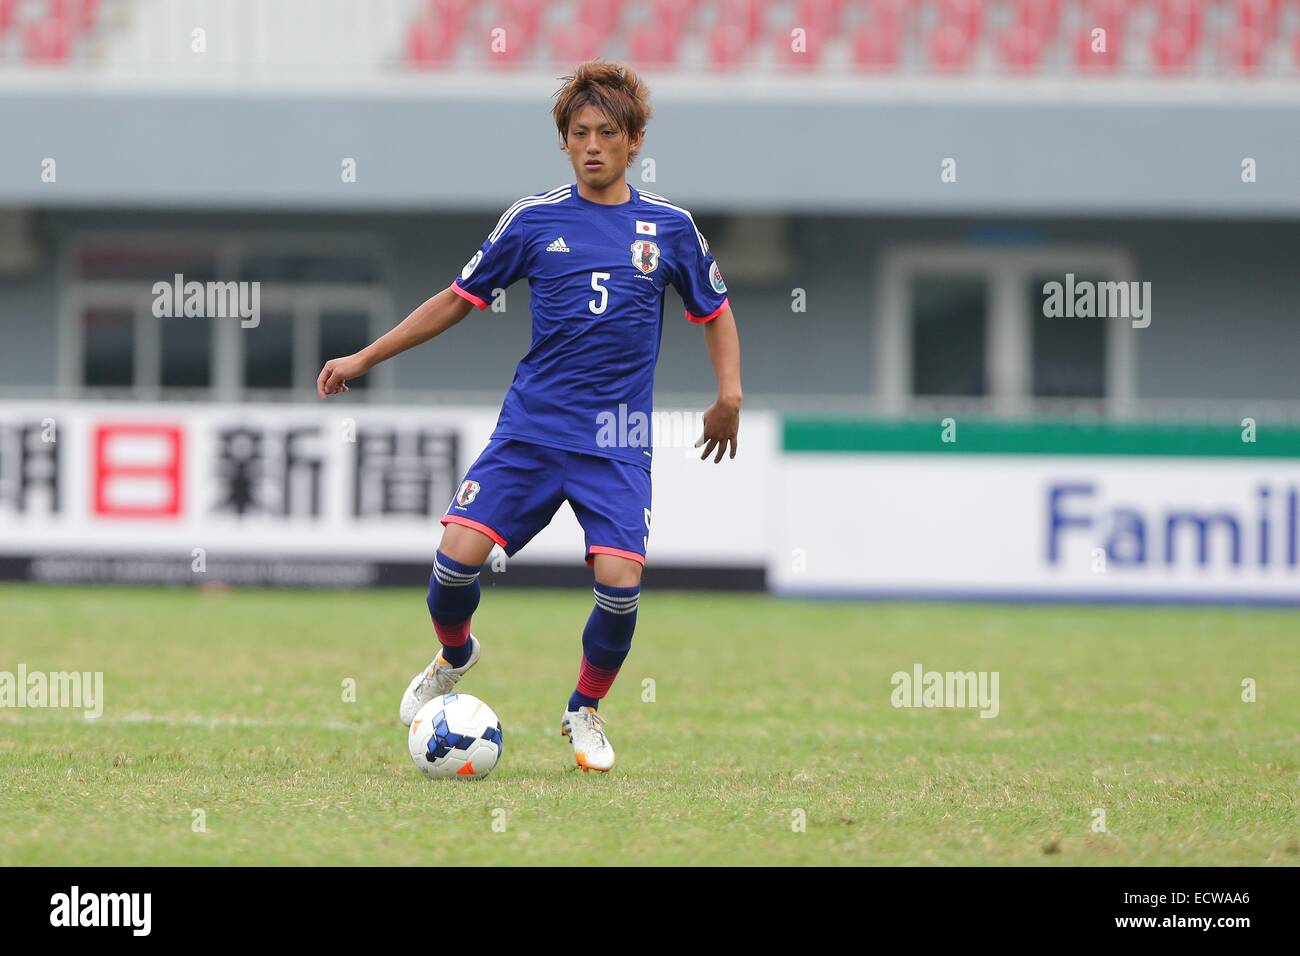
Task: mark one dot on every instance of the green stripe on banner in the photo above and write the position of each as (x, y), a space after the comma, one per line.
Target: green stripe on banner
(984, 437)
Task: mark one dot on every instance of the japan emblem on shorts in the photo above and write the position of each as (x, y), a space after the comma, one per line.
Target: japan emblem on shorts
(645, 255)
(468, 492)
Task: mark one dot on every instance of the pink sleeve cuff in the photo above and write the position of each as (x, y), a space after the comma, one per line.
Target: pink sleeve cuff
(469, 296)
(711, 316)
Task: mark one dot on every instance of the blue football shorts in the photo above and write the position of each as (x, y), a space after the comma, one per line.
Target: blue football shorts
(514, 488)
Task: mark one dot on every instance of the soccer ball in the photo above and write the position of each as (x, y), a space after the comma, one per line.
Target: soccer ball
(455, 735)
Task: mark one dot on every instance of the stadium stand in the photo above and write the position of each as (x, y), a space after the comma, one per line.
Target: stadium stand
(1209, 38)
(1169, 39)
(47, 32)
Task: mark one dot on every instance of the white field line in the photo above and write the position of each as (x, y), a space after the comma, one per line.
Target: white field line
(194, 720)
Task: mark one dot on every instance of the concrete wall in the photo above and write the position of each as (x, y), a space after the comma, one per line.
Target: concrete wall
(1225, 299)
(426, 143)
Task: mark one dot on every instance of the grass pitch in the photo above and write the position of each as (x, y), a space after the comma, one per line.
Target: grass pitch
(227, 708)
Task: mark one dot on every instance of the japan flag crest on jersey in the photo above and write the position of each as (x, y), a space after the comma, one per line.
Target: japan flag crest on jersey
(468, 492)
(645, 255)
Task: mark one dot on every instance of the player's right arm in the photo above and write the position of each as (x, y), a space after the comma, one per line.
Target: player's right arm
(433, 317)
(500, 260)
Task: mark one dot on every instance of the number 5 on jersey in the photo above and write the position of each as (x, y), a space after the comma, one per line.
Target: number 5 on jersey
(596, 279)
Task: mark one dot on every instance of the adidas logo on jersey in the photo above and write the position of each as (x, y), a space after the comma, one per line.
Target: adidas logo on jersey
(558, 246)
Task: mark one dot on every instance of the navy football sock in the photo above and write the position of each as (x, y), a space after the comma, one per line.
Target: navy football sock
(577, 700)
(453, 598)
(606, 641)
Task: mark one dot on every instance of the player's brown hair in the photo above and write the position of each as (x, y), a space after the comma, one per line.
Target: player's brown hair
(614, 89)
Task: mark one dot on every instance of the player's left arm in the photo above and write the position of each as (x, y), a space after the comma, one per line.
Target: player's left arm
(722, 420)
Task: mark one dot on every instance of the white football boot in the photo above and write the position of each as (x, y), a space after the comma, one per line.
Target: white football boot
(438, 679)
(586, 731)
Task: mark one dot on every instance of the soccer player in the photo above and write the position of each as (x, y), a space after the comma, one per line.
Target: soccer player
(598, 255)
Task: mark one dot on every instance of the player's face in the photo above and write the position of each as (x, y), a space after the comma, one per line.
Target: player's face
(598, 149)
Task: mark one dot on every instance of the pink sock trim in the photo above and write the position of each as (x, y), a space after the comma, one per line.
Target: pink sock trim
(595, 681)
(452, 635)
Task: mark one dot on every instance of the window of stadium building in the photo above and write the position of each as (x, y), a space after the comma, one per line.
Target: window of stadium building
(237, 317)
(949, 320)
(1068, 357)
(978, 324)
(107, 358)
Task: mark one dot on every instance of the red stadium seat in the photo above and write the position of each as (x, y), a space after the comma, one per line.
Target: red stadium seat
(7, 11)
(47, 41)
(672, 15)
(524, 14)
(89, 14)
(822, 15)
(951, 49)
(1173, 50)
(1087, 60)
(1257, 16)
(1106, 15)
(964, 15)
(1041, 16)
(653, 44)
(520, 40)
(1103, 12)
(1187, 14)
(433, 40)
(890, 15)
(430, 44)
(812, 46)
(1245, 49)
(879, 47)
(599, 17)
(571, 45)
(1176, 40)
(747, 15)
(521, 20)
(450, 15)
(876, 50)
(80, 15)
(893, 10)
(955, 41)
(1021, 48)
(728, 46)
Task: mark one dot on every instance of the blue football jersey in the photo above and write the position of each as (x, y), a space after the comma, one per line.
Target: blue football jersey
(597, 275)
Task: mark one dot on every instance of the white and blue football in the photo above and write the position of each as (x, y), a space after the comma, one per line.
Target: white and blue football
(455, 735)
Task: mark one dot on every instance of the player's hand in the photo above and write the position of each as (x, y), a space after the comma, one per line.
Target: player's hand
(721, 423)
(334, 376)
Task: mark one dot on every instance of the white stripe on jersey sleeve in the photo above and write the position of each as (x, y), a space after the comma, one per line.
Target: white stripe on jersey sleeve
(657, 200)
(559, 194)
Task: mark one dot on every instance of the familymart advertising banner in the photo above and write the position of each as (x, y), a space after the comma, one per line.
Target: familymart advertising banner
(1046, 511)
(334, 494)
